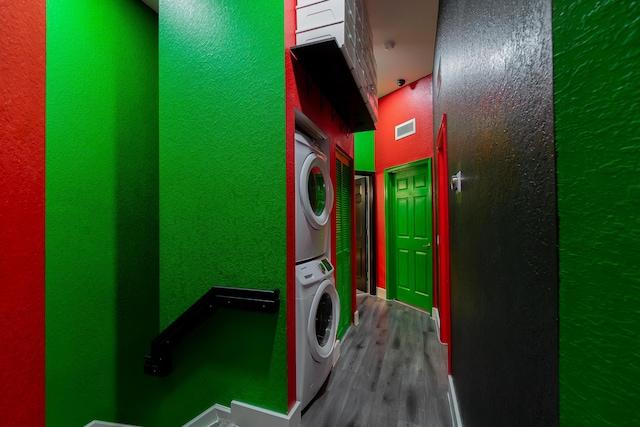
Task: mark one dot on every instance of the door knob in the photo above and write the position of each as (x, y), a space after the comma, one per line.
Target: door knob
(428, 245)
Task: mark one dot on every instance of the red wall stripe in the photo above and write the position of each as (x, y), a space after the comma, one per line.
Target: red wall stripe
(291, 281)
(22, 135)
(444, 269)
(290, 103)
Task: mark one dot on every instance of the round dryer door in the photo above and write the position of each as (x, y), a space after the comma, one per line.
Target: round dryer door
(316, 191)
(323, 321)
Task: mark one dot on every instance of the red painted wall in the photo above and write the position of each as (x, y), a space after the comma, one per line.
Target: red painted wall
(443, 297)
(413, 100)
(22, 107)
(306, 97)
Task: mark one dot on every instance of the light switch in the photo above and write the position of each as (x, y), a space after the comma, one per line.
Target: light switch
(456, 182)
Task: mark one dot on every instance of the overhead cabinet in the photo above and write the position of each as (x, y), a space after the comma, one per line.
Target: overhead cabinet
(334, 45)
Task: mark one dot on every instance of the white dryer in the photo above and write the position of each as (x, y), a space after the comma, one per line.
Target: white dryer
(314, 195)
(317, 316)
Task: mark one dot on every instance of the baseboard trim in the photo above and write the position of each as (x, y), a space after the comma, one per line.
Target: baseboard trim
(106, 424)
(435, 313)
(335, 354)
(244, 415)
(453, 405)
(381, 293)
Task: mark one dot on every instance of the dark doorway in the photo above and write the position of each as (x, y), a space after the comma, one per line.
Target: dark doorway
(365, 231)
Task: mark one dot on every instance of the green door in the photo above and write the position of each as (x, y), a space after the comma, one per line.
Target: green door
(344, 283)
(412, 240)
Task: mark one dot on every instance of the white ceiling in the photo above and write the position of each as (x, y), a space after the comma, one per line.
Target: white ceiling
(412, 25)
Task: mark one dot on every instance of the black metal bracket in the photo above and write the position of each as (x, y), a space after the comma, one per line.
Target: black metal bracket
(160, 361)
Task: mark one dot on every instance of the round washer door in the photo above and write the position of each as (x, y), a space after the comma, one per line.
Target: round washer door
(323, 321)
(316, 191)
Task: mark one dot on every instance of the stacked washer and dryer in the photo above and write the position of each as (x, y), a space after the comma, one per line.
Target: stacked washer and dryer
(317, 303)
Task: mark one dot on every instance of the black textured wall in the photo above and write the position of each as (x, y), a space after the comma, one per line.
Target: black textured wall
(494, 80)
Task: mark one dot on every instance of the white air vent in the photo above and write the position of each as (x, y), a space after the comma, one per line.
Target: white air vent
(406, 129)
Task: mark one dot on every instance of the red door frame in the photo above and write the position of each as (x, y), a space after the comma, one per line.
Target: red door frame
(444, 267)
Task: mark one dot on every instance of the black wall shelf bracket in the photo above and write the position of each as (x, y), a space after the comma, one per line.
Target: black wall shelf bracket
(160, 362)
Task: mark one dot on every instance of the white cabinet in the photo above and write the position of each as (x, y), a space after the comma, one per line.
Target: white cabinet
(345, 21)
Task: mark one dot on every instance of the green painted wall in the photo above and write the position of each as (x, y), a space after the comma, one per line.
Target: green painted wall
(223, 195)
(101, 209)
(596, 51)
(364, 148)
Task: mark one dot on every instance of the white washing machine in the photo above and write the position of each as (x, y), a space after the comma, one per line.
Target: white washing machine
(317, 316)
(314, 195)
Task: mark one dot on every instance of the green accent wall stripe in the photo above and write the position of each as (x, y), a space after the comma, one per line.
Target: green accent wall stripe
(364, 148)
(596, 51)
(223, 196)
(101, 209)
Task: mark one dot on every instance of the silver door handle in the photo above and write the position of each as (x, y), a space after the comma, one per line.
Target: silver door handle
(428, 245)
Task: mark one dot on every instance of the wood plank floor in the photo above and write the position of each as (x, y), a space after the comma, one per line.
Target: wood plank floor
(392, 372)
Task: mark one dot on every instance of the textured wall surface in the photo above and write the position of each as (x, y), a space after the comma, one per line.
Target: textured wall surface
(598, 145)
(102, 214)
(22, 103)
(495, 67)
(411, 101)
(364, 148)
(223, 196)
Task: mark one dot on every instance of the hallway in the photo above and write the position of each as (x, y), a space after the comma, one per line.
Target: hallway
(392, 372)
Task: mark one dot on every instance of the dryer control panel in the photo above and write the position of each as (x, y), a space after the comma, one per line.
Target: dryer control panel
(313, 271)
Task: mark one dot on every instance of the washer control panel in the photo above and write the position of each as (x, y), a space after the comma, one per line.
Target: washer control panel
(313, 271)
